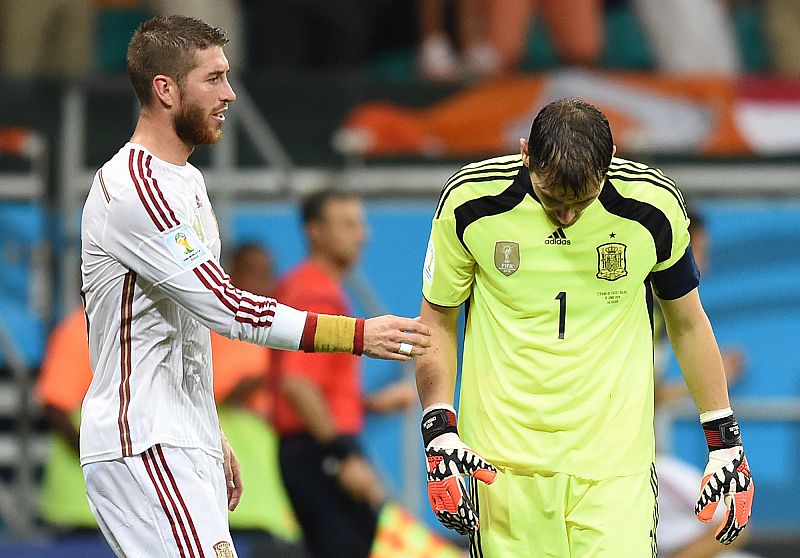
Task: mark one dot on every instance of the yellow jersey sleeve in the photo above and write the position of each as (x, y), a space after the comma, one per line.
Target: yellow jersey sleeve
(679, 222)
(449, 267)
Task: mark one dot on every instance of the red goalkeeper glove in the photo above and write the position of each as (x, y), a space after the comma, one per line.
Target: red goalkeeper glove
(449, 459)
(727, 477)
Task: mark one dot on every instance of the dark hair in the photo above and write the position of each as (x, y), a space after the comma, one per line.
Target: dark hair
(313, 206)
(570, 145)
(167, 45)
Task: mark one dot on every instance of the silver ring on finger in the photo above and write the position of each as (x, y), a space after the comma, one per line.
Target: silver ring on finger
(405, 349)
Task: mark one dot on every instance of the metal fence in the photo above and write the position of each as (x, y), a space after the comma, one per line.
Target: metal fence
(280, 178)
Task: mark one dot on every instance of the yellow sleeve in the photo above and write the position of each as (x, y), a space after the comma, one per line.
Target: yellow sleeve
(449, 267)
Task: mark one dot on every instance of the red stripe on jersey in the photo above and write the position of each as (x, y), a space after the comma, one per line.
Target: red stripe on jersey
(180, 499)
(227, 302)
(267, 310)
(125, 326)
(158, 190)
(149, 189)
(103, 186)
(223, 280)
(147, 456)
(259, 310)
(253, 322)
(142, 198)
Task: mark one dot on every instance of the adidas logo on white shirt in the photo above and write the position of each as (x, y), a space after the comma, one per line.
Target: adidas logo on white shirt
(557, 237)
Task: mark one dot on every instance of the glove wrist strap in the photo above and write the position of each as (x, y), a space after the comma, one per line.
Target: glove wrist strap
(722, 433)
(438, 421)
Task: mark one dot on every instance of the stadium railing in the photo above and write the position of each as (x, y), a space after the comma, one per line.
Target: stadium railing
(280, 178)
(20, 448)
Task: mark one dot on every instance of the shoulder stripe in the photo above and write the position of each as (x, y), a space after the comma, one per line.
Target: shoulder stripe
(125, 362)
(476, 174)
(148, 188)
(472, 210)
(673, 191)
(140, 191)
(650, 175)
(103, 186)
(653, 172)
(649, 216)
(174, 220)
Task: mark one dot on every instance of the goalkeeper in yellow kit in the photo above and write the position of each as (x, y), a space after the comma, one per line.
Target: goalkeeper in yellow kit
(556, 254)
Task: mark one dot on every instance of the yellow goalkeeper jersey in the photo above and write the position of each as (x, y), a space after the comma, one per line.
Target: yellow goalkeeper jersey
(558, 353)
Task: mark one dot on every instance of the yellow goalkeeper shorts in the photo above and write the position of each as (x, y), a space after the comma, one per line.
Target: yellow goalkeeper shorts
(554, 515)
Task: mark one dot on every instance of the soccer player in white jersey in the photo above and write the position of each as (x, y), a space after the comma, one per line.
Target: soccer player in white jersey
(160, 475)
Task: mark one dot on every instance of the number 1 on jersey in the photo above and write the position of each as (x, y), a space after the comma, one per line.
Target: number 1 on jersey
(562, 313)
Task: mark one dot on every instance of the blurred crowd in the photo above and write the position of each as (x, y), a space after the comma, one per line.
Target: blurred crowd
(443, 40)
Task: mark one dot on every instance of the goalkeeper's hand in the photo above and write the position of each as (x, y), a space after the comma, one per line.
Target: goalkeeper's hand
(449, 459)
(726, 478)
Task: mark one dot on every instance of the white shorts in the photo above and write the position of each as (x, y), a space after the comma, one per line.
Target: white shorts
(165, 502)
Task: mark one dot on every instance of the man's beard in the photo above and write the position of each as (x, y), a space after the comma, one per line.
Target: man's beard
(192, 126)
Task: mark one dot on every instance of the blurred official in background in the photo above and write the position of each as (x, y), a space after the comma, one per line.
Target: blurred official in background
(319, 413)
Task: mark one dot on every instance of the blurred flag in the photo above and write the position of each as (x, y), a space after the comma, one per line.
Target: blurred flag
(400, 535)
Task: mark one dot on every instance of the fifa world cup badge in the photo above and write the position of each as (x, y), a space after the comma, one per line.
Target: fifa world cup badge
(506, 257)
(223, 549)
(611, 263)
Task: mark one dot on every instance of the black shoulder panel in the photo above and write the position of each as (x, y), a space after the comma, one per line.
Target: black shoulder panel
(485, 206)
(650, 217)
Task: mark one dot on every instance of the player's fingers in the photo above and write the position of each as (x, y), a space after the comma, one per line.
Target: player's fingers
(235, 484)
(234, 497)
(415, 339)
(725, 530)
(482, 470)
(412, 326)
(708, 500)
(386, 354)
(743, 504)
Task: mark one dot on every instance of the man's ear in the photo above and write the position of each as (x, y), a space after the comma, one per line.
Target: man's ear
(523, 149)
(166, 90)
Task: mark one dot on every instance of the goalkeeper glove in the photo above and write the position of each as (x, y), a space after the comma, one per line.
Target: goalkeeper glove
(726, 477)
(448, 460)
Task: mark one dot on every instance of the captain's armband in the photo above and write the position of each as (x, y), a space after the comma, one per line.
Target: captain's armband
(324, 333)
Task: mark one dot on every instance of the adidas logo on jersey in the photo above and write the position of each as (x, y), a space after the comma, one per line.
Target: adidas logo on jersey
(558, 237)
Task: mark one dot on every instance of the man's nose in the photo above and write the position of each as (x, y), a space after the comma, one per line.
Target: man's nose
(229, 94)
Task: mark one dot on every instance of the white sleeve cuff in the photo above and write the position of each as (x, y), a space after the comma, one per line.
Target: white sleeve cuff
(714, 415)
(287, 328)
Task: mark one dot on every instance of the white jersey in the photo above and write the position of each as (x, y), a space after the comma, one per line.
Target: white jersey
(152, 289)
